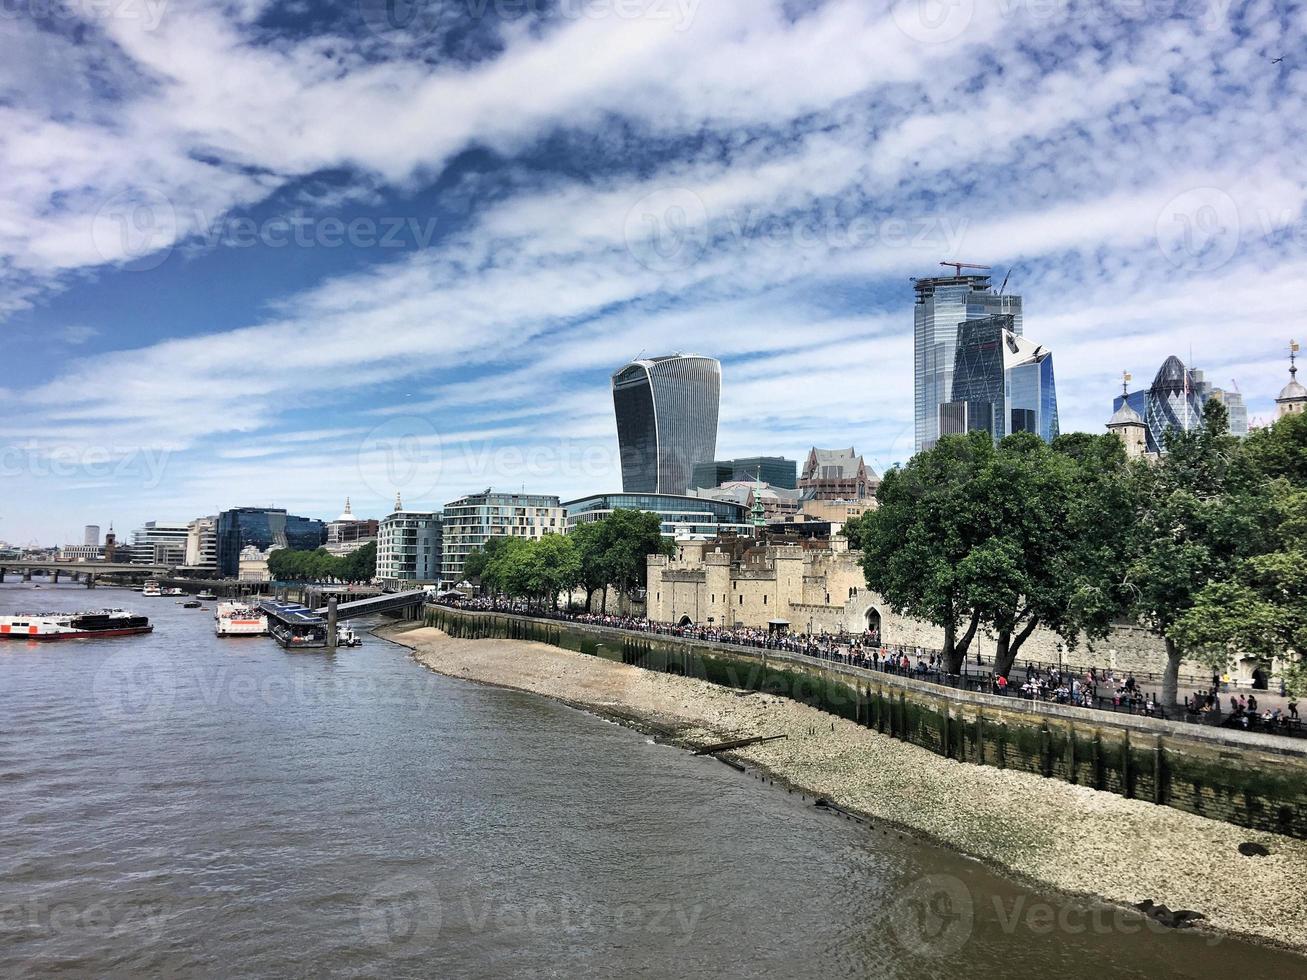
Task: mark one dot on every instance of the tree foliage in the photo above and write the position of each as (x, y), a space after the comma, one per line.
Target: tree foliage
(595, 555)
(319, 565)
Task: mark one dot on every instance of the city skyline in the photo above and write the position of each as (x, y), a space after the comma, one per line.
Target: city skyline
(210, 311)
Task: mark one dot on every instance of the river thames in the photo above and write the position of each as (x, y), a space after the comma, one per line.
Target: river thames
(183, 805)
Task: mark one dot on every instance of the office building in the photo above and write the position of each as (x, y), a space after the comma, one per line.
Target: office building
(410, 547)
(1235, 409)
(202, 543)
(775, 471)
(347, 533)
(469, 522)
(1169, 403)
(91, 536)
(81, 552)
(683, 518)
(837, 474)
(1002, 383)
(266, 529)
(666, 409)
(159, 543)
(942, 304)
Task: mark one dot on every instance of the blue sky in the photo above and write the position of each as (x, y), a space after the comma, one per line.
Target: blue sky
(258, 253)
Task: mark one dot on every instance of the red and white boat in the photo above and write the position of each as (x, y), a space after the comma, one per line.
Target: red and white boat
(72, 626)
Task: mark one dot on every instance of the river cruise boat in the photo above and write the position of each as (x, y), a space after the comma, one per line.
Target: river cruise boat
(239, 619)
(294, 626)
(206, 594)
(72, 626)
(151, 590)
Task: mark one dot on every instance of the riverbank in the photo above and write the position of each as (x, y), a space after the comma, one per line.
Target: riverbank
(1053, 834)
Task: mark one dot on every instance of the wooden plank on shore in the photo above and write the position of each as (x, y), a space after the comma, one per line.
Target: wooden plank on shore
(738, 743)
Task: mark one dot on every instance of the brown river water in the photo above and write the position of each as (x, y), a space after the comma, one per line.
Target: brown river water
(175, 804)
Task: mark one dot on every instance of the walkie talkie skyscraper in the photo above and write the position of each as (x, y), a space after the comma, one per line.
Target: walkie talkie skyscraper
(666, 411)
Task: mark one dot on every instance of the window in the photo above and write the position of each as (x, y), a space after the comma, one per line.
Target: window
(764, 600)
(741, 600)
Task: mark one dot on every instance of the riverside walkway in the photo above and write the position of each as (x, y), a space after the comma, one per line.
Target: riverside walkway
(1092, 690)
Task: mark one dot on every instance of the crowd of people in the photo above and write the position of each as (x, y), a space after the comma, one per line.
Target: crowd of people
(1087, 688)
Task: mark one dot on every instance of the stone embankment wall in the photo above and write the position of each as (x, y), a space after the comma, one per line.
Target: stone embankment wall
(1251, 780)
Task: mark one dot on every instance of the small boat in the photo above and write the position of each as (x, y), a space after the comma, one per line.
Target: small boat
(206, 594)
(151, 590)
(72, 626)
(346, 637)
(192, 604)
(172, 591)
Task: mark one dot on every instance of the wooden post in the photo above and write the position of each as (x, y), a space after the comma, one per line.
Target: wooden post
(331, 622)
(980, 736)
(1125, 766)
(1159, 773)
(1071, 754)
(1096, 759)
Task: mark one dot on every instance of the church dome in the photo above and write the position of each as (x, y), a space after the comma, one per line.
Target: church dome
(347, 515)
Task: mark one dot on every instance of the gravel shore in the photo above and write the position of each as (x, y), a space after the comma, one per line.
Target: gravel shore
(1051, 833)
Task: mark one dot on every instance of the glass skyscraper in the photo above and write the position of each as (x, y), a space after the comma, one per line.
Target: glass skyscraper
(776, 471)
(943, 303)
(1002, 383)
(666, 411)
(1173, 401)
(264, 528)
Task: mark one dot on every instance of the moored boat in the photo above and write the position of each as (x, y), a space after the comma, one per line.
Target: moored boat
(239, 619)
(72, 626)
(151, 590)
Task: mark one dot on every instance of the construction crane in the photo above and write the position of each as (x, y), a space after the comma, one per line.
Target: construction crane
(959, 266)
(1003, 288)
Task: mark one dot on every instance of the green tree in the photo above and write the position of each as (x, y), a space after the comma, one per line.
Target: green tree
(591, 540)
(1202, 509)
(555, 566)
(916, 543)
(632, 536)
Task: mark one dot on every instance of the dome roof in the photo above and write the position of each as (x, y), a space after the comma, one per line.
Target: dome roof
(1170, 376)
(1125, 415)
(347, 514)
(1293, 391)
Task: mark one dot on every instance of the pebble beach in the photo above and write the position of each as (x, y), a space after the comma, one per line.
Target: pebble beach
(1049, 833)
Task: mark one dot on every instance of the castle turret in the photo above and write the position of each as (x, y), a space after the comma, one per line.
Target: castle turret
(1129, 426)
(1292, 399)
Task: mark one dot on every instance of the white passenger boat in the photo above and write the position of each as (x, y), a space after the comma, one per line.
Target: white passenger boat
(239, 619)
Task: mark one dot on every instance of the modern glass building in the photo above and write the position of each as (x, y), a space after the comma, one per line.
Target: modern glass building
(1002, 383)
(263, 528)
(469, 522)
(943, 303)
(776, 471)
(683, 518)
(666, 410)
(1171, 402)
